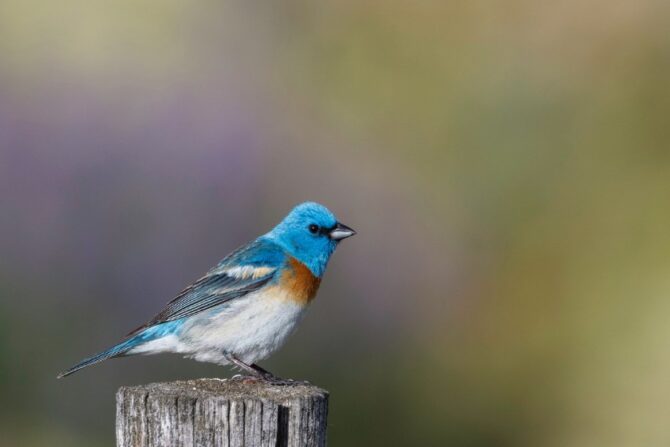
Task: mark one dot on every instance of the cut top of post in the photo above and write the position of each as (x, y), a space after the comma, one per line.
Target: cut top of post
(230, 389)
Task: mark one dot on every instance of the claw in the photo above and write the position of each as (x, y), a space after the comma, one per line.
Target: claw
(274, 380)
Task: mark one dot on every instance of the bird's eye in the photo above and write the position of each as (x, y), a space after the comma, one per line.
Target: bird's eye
(314, 228)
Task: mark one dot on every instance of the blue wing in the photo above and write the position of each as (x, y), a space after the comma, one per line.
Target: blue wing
(243, 271)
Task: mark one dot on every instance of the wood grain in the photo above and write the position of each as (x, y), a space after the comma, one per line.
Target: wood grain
(221, 413)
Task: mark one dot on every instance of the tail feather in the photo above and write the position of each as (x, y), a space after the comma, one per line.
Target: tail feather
(114, 351)
(143, 336)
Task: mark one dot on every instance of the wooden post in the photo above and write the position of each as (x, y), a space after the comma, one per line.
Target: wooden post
(221, 413)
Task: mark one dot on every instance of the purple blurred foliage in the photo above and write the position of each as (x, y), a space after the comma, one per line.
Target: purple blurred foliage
(89, 190)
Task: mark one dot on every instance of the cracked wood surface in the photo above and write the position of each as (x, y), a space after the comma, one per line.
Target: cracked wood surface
(221, 413)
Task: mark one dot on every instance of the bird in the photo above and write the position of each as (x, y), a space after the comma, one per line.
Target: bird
(244, 308)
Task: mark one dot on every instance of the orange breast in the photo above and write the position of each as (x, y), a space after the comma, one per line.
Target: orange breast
(299, 282)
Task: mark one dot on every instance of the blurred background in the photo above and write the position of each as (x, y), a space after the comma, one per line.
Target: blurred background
(506, 164)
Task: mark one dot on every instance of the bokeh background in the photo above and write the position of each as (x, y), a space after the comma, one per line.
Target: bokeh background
(506, 163)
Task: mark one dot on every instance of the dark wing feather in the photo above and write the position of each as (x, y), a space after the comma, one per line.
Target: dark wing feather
(206, 293)
(218, 287)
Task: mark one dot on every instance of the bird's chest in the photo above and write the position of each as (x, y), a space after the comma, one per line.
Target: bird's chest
(252, 328)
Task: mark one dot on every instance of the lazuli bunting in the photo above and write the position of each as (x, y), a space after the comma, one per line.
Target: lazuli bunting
(244, 308)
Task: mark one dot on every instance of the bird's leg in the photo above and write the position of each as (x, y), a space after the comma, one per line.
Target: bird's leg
(263, 371)
(271, 378)
(258, 372)
(240, 364)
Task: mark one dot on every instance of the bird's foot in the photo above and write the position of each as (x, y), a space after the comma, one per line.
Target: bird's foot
(259, 374)
(246, 379)
(274, 380)
(268, 378)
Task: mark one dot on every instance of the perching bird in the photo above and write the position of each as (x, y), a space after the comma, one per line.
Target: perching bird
(244, 308)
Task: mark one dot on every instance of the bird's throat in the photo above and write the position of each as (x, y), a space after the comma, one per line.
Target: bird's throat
(299, 282)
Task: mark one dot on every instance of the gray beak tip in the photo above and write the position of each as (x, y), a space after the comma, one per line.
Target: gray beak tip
(340, 232)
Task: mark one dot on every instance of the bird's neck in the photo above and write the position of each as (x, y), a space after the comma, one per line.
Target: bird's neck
(316, 263)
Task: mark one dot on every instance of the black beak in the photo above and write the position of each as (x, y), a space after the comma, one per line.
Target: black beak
(340, 231)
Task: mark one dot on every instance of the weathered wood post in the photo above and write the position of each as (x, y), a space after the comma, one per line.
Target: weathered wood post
(221, 413)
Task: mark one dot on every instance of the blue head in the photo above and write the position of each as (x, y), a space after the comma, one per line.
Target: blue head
(310, 233)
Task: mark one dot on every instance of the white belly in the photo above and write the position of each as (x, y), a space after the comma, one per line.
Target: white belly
(251, 327)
